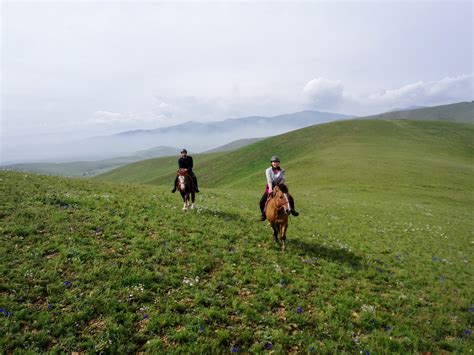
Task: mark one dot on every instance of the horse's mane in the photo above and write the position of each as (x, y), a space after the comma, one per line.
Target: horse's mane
(283, 188)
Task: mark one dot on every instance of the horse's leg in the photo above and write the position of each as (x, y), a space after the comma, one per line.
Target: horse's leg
(283, 228)
(275, 233)
(185, 202)
(193, 195)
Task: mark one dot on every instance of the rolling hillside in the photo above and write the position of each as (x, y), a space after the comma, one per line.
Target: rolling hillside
(356, 153)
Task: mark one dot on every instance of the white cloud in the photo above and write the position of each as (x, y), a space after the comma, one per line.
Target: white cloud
(449, 89)
(323, 93)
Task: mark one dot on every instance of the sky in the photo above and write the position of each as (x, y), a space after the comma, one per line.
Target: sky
(88, 68)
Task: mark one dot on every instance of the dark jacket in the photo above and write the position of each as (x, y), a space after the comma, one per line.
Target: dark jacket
(186, 163)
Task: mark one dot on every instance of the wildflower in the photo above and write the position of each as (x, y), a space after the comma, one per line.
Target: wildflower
(367, 352)
(355, 339)
(388, 328)
(234, 349)
(299, 310)
(470, 309)
(50, 306)
(67, 283)
(268, 346)
(146, 316)
(467, 332)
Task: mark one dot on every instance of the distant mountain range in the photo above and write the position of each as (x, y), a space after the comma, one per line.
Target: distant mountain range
(406, 108)
(202, 136)
(91, 168)
(221, 136)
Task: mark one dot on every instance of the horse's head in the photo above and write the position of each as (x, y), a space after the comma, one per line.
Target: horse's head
(182, 183)
(280, 195)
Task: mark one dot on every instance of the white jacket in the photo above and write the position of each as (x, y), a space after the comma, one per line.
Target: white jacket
(275, 177)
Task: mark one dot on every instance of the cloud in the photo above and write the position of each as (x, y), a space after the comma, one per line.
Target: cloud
(323, 93)
(446, 90)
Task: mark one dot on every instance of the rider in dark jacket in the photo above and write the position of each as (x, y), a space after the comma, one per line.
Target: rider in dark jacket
(186, 162)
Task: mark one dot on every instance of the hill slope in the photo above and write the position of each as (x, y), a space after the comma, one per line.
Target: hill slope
(351, 153)
(458, 112)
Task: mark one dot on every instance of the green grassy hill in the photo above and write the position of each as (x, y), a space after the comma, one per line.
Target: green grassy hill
(458, 112)
(379, 260)
(356, 153)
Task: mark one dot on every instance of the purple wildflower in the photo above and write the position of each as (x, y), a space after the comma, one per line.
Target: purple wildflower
(299, 309)
(67, 283)
(234, 349)
(50, 306)
(470, 309)
(146, 316)
(467, 332)
(367, 352)
(388, 328)
(268, 346)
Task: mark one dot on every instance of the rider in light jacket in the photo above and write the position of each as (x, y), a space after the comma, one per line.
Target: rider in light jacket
(275, 175)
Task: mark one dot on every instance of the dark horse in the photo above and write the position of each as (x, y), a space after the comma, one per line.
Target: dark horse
(277, 210)
(185, 187)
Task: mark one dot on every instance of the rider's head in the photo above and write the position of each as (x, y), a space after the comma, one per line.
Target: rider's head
(275, 161)
(184, 152)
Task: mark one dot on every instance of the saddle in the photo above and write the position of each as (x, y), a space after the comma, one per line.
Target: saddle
(182, 172)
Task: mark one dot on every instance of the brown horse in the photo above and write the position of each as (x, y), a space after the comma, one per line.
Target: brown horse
(185, 187)
(277, 210)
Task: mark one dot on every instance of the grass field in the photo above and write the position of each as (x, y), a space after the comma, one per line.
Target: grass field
(379, 261)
